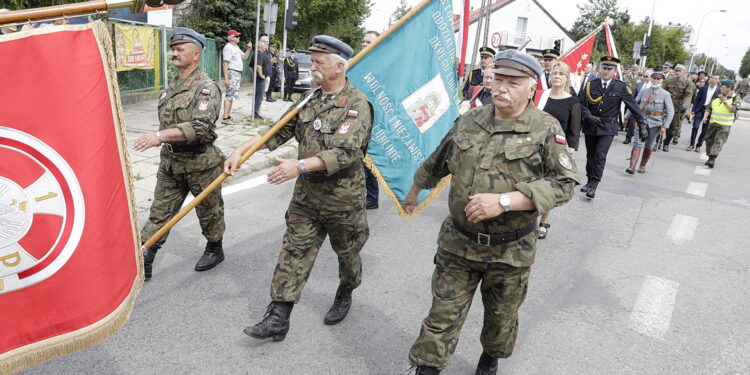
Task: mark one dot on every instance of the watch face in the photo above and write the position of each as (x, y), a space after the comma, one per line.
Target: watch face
(504, 200)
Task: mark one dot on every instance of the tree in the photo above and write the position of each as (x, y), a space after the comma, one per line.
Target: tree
(337, 18)
(594, 13)
(745, 64)
(214, 18)
(401, 10)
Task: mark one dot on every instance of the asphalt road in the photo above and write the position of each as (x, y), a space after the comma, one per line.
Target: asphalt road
(648, 278)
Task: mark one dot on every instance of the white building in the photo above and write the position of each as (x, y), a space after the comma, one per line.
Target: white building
(512, 22)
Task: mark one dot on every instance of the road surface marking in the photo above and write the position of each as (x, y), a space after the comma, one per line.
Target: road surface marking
(697, 188)
(682, 228)
(704, 171)
(652, 313)
(231, 189)
(704, 157)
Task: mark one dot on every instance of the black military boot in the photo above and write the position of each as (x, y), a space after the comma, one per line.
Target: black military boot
(586, 187)
(711, 161)
(424, 370)
(269, 97)
(487, 365)
(149, 253)
(591, 192)
(213, 255)
(667, 140)
(275, 323)
(627, 140)
(340, 307)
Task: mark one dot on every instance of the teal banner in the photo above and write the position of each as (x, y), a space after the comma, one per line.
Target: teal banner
(411, 82)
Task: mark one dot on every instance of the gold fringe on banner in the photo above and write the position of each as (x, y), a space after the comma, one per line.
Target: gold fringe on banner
(45, 350)
(434, 193)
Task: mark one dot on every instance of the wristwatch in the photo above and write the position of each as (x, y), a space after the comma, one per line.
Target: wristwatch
(301, 167)
(159, 137)
(505, 202)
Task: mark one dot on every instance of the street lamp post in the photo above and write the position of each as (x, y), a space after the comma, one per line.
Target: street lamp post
(710, 44)
(713, 62)
(697, 37)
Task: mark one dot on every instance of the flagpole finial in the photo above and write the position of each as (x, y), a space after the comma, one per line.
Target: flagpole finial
(609, 21)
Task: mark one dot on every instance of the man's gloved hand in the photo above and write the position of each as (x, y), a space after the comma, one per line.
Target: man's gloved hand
(643, 131)
(593, 120)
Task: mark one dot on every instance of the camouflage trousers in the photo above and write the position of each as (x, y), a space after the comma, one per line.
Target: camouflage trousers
(453, 285)
(171, 191)
(716, 137)
(675, 128)
(306, 229)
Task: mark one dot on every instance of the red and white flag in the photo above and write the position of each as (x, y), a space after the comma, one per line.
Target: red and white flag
(463, 36)
(69, 261)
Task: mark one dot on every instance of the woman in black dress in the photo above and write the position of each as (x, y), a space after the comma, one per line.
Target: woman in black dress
(562, 103)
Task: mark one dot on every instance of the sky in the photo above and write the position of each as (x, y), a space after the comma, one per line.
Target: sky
(729, 49)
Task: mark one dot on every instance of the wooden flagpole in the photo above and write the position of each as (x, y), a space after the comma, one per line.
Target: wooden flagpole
(275, 129)
(27, 15)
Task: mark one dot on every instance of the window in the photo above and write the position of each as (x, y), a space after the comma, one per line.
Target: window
(521, 24)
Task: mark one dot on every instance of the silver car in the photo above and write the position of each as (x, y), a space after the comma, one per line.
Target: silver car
(304, 81)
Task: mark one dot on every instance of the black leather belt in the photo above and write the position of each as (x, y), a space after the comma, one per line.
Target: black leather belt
(495, 239)
(195, 149)
(317, 177)
(609, 119)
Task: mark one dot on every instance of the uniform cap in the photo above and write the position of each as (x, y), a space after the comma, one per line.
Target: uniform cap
(609, 61)
(487, 51)
(727, 82)
(657, 75)
(329, 44)
(185, 35)
(550, 54)
(667, 65)
(679, 67)
(518, 64)
(233, 33)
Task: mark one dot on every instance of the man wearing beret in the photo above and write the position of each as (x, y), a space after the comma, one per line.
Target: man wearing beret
(333, 130)
(509, 163)
(190, 161)
(720, 116)
(486, 54)
(600, 110)
(681, 89)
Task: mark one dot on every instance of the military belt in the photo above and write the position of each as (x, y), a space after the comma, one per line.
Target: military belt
(318, 177)
(195, 149)
(608, 119)
(495, 239)
(645, 112)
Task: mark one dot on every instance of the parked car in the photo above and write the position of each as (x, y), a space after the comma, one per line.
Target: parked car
(304, 81)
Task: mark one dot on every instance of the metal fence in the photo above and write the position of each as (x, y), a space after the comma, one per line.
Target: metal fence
(155, 79)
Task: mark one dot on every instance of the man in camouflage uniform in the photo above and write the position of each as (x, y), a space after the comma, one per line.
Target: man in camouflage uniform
(509, 163)
(681, 89)
(720, 116)
(742, 88)
(333, 130)
(188, 111)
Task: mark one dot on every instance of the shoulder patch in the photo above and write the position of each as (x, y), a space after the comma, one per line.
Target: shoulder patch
(344, 128)
(560, 139)
(202, 106)
(352, 113)
(564, 160)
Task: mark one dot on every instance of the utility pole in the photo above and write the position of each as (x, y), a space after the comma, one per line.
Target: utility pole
(647, 38)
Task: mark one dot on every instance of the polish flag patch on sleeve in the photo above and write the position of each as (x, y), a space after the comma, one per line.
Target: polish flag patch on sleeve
(560, 139)
(352, 113)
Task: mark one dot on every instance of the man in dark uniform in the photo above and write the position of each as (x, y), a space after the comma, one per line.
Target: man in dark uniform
(190, 161)
(291, 73)
(600, 109)
(487, 56)
(274, 73)
(549, 58)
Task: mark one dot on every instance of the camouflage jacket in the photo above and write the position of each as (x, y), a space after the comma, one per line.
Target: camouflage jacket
(743, 87)
(336, 128)
(681, 90)
(191, 105)
(487, 155)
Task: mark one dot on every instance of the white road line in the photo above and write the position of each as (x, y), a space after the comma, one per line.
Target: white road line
(682, 228)
(244, 185)
(702, 170)
(704, 157)
(652, 313)
(697, 188)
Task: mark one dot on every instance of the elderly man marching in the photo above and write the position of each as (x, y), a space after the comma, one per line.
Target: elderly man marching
(657, 111)
(720, 118)
(509, 163)
(333, 130)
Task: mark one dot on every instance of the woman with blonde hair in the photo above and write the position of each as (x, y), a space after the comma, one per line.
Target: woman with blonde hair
(562, 103)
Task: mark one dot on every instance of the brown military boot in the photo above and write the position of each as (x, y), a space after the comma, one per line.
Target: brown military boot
(340, 307)
(634, 155)
(644, 160)
(275, 323)
(487, 365)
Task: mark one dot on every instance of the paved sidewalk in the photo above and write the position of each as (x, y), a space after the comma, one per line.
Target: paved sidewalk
(141, 118)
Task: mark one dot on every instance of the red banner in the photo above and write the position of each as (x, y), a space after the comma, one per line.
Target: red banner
(579, 56)
(69, 262)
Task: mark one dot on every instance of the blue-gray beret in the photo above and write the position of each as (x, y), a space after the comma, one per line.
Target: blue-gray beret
(186, 35)
(329, 44)
(518, 64)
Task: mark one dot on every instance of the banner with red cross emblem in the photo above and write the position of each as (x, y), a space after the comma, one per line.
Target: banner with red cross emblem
(69, 261)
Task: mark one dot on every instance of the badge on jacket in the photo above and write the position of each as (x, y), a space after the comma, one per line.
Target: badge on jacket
(202, 106)
(317, 124)
(345, 128)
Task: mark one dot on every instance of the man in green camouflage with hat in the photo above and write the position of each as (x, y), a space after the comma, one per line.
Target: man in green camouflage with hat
(681, 89)
(509, 163)
(190, 161)
(333, 130)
